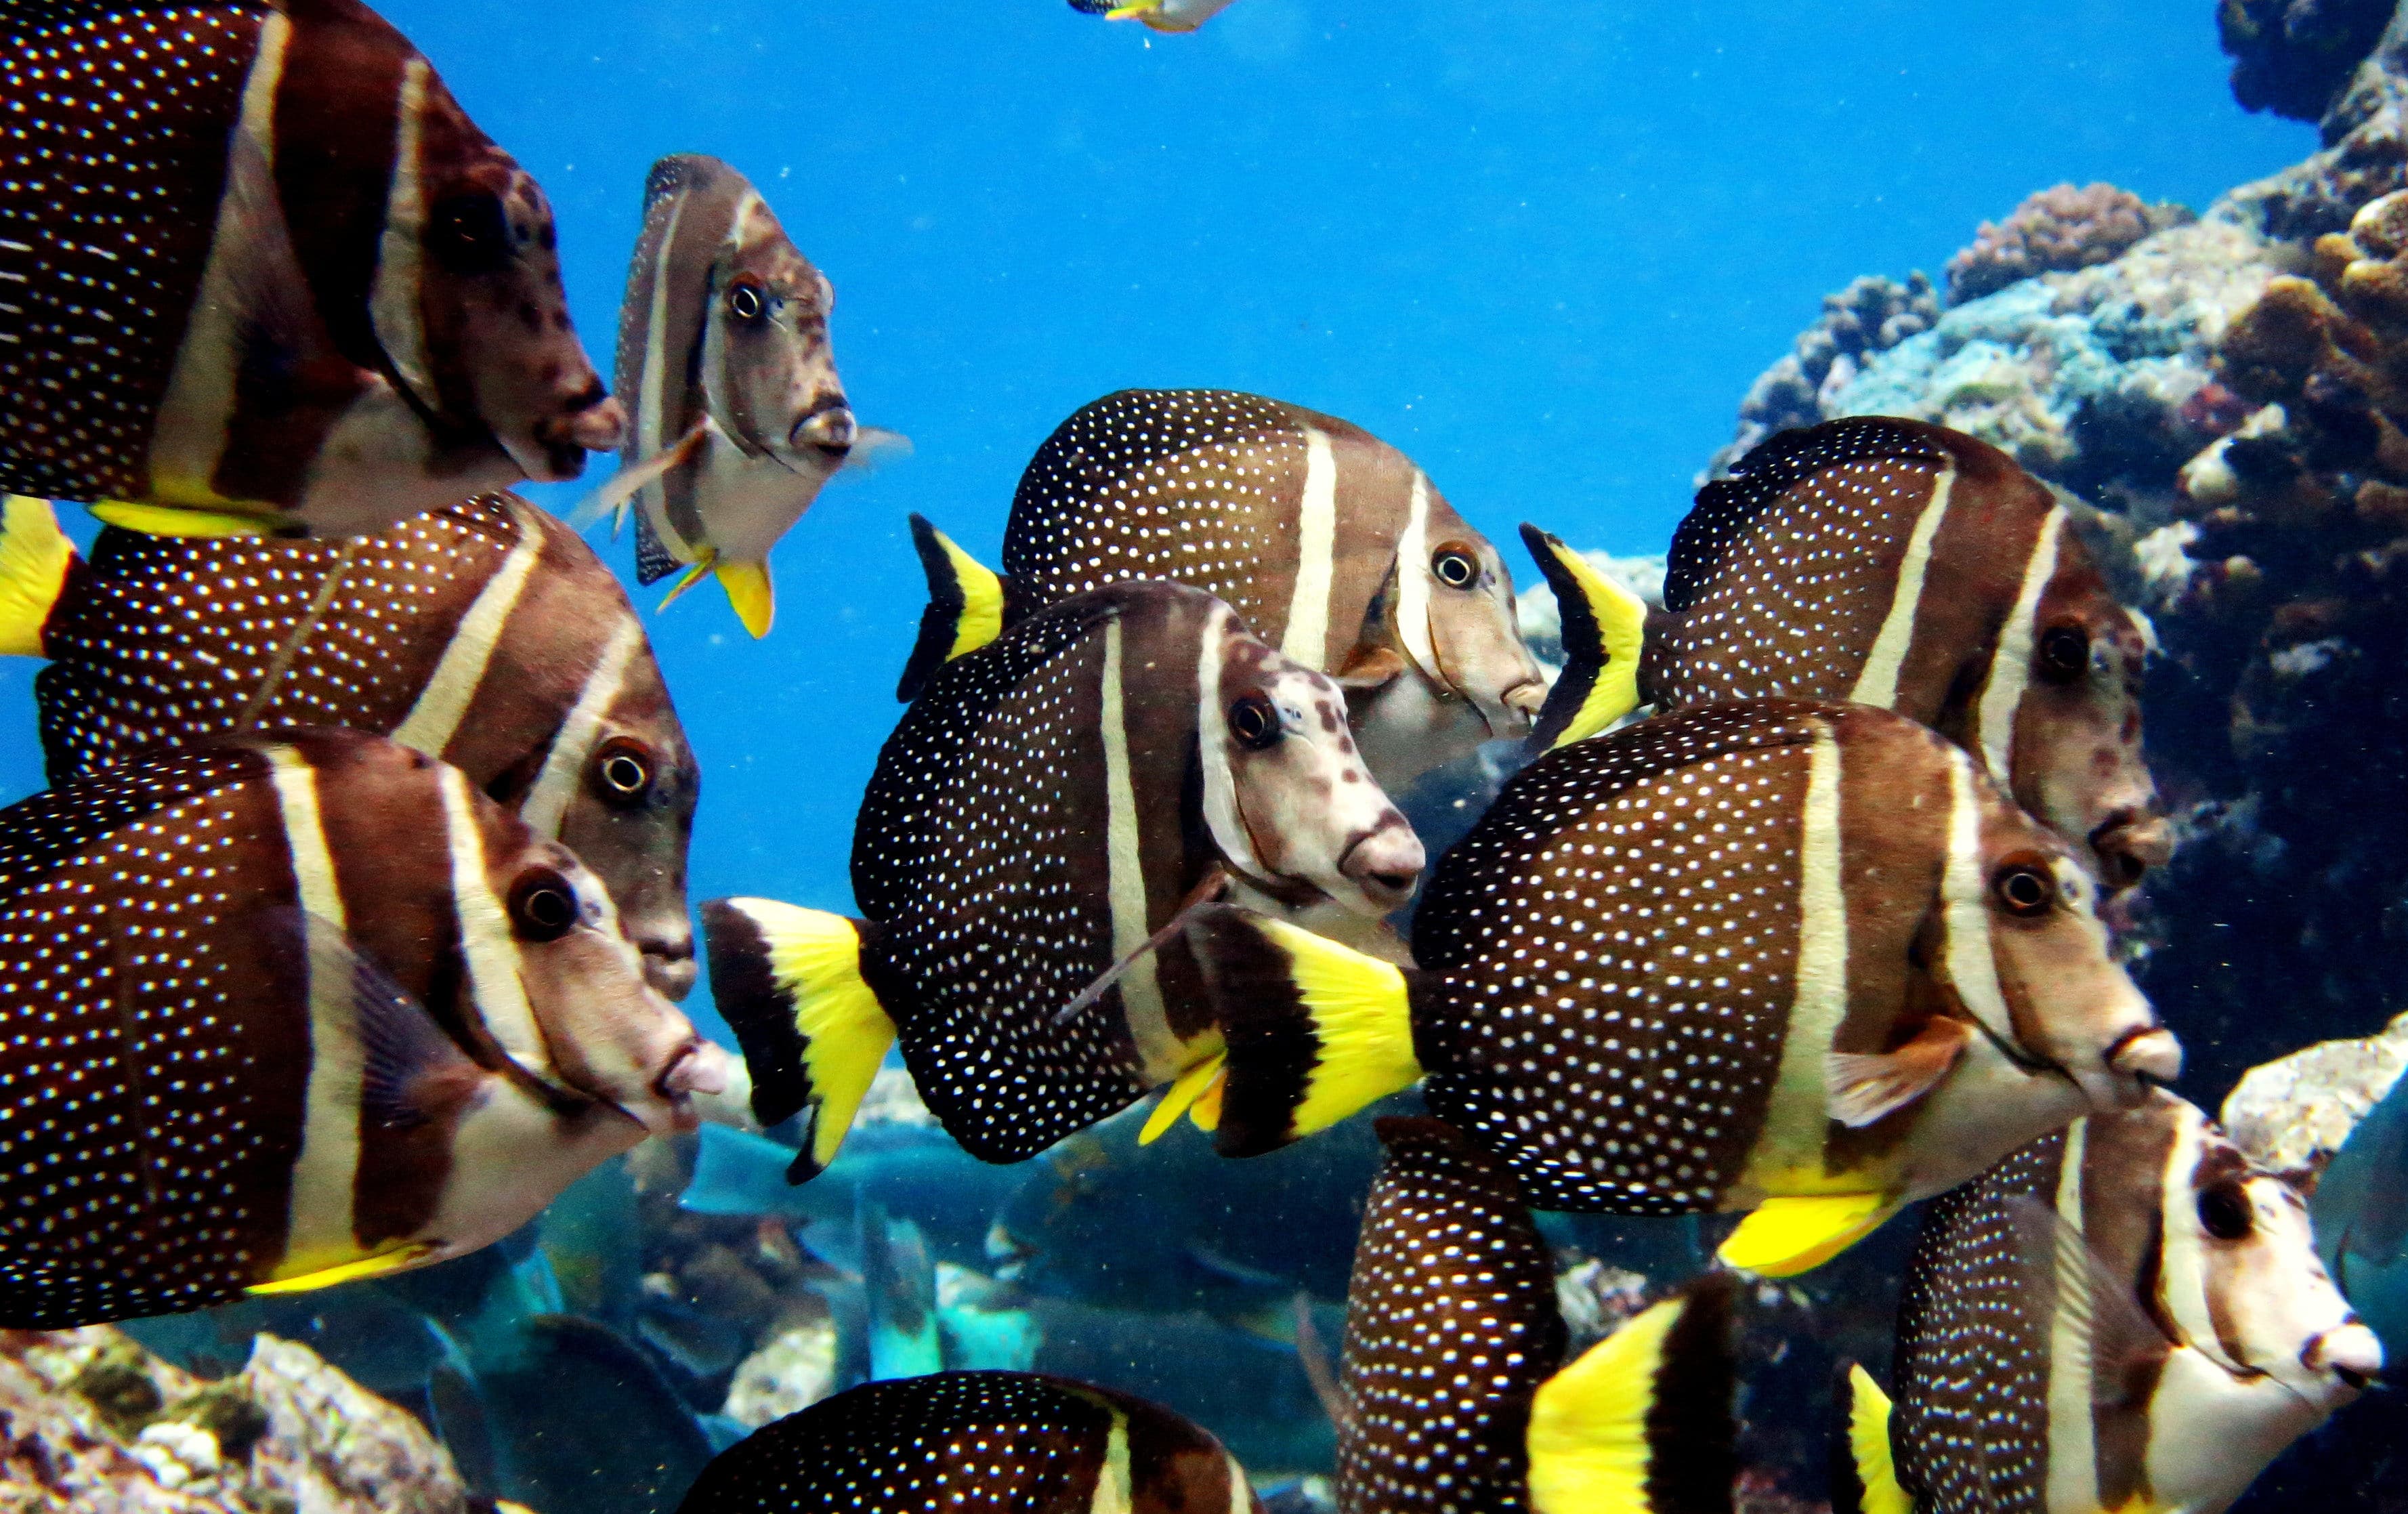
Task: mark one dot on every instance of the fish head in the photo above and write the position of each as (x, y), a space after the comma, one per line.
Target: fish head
(496, 353)
(2075, 748)
(2028, 958)
(1291, 804)
(770, 378)
(1452, 600)
(610, 1036)
(630, 820)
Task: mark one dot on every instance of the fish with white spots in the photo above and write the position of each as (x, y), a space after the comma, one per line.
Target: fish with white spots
(302, 293)
(1899, 564)
(1049, 809)
(1459, 1400)
(1329, 542)
(279, 1014)
(2127, 1315)
(977, 1441)
(485, 634)
(740, 417)
(1794, 958)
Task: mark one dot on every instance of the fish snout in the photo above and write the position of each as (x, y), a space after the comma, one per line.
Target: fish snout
(591, 421)
(1384, 861)
(2128, 843)
(669, 966)
(2349, 1351)
(2145, 1054)
(1527, 697)
(699, 1068)
(829, 429)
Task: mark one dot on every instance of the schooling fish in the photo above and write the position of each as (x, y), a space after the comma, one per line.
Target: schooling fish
(1047, 807)
(740, 415)
(301, 292)
(955, 1440)
(2127, 1315)
(1903, 564)
(280, 1014)
(1797, 958)
(1460, 1399)
(1327, 541)
(485, 634)
(1161, 15)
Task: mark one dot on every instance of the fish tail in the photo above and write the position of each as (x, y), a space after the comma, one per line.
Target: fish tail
(36, 560)
(1645, 1422)
(1864, 1476)
(1604, 628)
(789, 983)
(965, 603)
(750, 593)
(1315, 1030)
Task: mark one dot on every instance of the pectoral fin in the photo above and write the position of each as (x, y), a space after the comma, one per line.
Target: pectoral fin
(751, 593)
(692, 576)
(1863, 1088)
(1373, 669)
(1788, 1235)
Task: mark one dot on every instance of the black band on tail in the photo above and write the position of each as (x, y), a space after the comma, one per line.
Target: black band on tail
(1273, 1048)
(762, 1016)
(1583, 640)
(1847, 1484)
(1691, 1420)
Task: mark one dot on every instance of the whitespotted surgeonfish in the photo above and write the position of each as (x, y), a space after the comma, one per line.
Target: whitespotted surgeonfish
(976, 1440)
(1899, 564)
(1050, 808)
(300, 292)
(1796, 958)
(279, 1014)
(485, 634)
(1160, 15)
(2127, 1315)
(740, 417)
(1330, 543)
(1458, 1397)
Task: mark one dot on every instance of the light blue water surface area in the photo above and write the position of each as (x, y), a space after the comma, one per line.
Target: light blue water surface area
(1543, 246)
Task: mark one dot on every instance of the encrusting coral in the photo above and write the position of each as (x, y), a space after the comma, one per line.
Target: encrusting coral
(2054, 231)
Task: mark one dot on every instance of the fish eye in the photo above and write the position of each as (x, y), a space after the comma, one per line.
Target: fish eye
(469, 233)
(744, 301)
(2064, 653)
(1455, 566)
(2224, 1212)
(1253, 722)
(623, 772)
(2024, 889)
(543, 907)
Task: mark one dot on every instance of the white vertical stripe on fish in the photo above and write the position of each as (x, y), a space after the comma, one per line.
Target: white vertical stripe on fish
(651, 382)
(1221, 815)
(1241, 1499)
(1964, 906)
(2002, 692)
(319, 1232)
(434, 719)
(1877, 684)
(1307, 638)
(394, 310)
(189, 435)
(1113, 1493)
(1795, 1120)
(1157, 1049)
(2072, 1438)
(564, 765)
(486, 940)
(1413, 581)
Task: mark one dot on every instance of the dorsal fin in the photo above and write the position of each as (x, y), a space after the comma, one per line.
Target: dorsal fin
(1726, 509)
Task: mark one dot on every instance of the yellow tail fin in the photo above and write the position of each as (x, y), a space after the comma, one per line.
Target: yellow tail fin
(751, 593)
(1647, 1411)
(1786, 1237)
(788, 982)
(34, 557)
(1604, 630)
(1315, 1029)
(966, 607)
(1878, 1490)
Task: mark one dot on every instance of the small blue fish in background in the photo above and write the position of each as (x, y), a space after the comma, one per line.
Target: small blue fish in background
(913, 1172)
(2359, 1211)
(1161, 15)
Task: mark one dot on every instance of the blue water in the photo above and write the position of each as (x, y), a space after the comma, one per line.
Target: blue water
(1543, 246)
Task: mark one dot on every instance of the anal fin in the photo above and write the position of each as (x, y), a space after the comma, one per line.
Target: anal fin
(1788, 1235)
(179, 520)
(750, 594)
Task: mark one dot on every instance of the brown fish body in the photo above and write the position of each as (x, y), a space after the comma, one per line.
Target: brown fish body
(309, 294)
(1898, 564)
(282, 1012)
(1330, 543)
(485, 634)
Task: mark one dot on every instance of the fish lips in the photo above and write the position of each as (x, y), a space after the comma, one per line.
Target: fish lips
(555, 451)
(2144, 1057)
(699, 1067)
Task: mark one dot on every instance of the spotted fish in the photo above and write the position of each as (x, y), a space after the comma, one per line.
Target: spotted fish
(1794, 958)
(1460, 1401)
(983, 1440)
(1160, 15)
(1330, 543)
(2123, 1316)
(740, 415)
(485, 634)
(303, 292)
(1046, 807)
(280, 1014)
(1903, 564)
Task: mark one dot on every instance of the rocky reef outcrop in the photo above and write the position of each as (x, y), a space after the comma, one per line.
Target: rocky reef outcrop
(2056, 230)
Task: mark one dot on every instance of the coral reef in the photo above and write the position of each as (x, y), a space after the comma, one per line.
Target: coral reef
(91, 1423)
(2056, 231)
(2292, 1114)
(2293, 56)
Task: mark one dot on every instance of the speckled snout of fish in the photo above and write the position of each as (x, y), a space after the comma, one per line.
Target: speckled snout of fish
(827, 428)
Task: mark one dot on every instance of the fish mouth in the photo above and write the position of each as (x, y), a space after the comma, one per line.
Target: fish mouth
(1009, 1253)
(699, 1067)
(2128, 842)
(826, 432)
(2143, 1058)
(1514, 711)
(595, 422)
